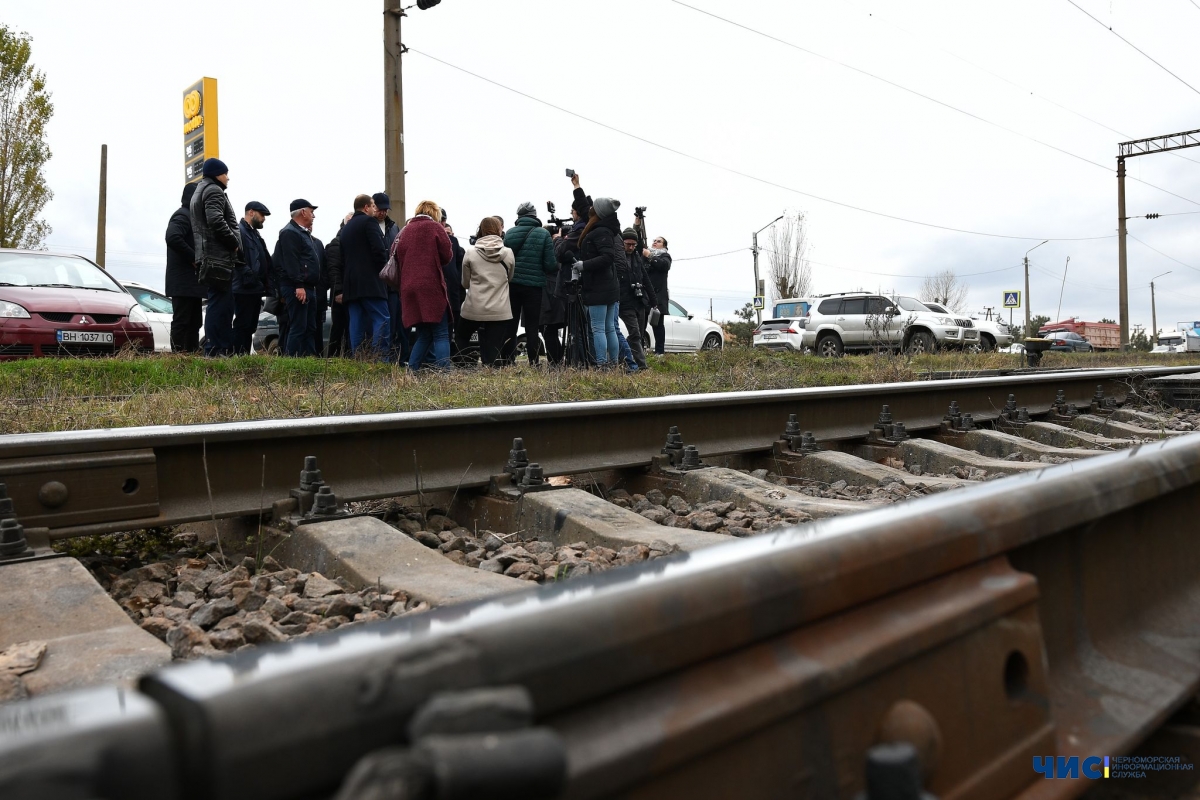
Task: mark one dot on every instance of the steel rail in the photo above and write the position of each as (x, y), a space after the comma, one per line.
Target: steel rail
(88, 482)
(1052, 614)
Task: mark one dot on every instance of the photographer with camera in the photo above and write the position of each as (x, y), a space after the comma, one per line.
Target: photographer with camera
(658, 264)
(637, 294)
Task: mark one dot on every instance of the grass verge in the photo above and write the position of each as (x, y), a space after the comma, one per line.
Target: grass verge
(51, 395)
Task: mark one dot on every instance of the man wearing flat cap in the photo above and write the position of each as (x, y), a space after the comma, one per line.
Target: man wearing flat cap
(299, 268)
(252, 279)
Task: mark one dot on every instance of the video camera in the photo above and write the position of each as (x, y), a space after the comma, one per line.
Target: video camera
(563, 225)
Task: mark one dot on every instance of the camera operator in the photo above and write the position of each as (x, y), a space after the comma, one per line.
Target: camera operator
(637, 294)
(566, 249)
(658, 265)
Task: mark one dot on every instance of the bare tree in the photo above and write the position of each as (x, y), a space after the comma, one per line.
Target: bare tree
(25, 109)
(945, 288)
(791, 274)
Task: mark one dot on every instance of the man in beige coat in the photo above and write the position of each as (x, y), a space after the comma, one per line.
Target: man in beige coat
(486, 272)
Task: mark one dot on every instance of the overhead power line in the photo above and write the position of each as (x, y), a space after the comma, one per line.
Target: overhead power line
(1135, 47)
(921, 95)
(747, 175)
(1164, 255)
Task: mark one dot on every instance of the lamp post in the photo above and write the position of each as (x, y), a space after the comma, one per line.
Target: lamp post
(757, 282)
(1028, 316)
(1153, 310)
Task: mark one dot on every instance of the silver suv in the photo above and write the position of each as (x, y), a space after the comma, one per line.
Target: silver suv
(860, 321)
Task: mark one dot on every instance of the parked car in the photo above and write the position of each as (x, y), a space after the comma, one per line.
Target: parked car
(780, 334)
(266, 338)
(993, 334)
(684, 333)
(65, 305)
(1067, 342)
(158, 309)
(858, 321)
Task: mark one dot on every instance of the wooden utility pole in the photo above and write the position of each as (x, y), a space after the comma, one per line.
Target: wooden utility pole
(102, 209)
(393, 52)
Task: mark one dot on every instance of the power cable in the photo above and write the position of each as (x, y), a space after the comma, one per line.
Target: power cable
(1162, 253)
(747, 175)
(1135, 47)
(1023, 89)
(934, 100)
(715, 255)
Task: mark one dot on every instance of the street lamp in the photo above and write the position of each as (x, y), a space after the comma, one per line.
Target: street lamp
(1028, 320)
(757, 282)
(1153, 310)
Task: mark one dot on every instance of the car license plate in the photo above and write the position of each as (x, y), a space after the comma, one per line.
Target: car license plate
(770, 336)
(83, 337)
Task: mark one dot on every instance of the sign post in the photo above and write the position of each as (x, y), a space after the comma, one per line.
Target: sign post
(1012, 300)
(200, 137)
(760, 303)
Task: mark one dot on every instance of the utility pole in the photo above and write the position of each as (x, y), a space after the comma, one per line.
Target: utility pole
(758, 284)
(393, 52)
(102, 208)
(1139, 147)
(1122, 256)
(1028, 314)
(1154, 309)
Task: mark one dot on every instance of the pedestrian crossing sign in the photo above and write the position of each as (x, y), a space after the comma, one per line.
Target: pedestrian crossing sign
(1012, 299)
(760, 303)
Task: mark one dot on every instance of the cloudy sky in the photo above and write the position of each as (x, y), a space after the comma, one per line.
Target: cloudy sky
(998, 119)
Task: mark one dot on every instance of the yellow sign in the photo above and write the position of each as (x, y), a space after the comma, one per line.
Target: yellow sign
(200, 138)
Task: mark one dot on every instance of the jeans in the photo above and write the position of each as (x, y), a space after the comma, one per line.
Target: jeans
(302, 323)
(633, 319)
(370, 325)
(604, 333)
(218, 323)
(432, 338)
(245, 321)
(526, 304)
(186, 319)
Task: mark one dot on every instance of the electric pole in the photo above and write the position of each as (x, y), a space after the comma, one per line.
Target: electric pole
(1139, 147)
(393, 52)
(1154, 309)
(758, 284)
(102, 207)
(1028, 314)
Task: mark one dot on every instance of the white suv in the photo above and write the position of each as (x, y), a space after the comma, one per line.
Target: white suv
(989, 335)
(860, 321)
(780, 334)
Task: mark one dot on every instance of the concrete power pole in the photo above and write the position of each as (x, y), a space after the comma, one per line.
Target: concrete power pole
(757, 282)
(102, 208)
(393, 52)
(1153, 316)
(1122, 255)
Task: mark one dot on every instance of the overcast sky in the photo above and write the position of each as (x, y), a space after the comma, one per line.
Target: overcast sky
(301, 115)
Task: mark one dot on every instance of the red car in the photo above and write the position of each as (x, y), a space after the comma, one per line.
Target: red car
(63, 305)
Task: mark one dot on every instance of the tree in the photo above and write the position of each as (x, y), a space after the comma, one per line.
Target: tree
(1109, 321)
(742, 330)
(1036, 323)
(791, 274)
(1140, 341)
(945, 288)
(25, 111)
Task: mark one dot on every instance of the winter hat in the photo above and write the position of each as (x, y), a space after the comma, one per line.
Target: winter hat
(629, 233)
(526, 210)
(581, 206)
(214, 167)
(188, 191)
(606, 207)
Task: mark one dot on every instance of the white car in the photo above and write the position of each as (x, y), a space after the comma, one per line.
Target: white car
(685, 334)
(992, 334)
(160, 311)
(780, 334)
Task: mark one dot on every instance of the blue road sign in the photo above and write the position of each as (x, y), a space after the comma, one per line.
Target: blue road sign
(1012, 299)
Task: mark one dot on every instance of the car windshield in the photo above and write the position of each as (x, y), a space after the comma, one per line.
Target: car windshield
(909, 304)
(151, 301)
(44, 269)
(936, 307)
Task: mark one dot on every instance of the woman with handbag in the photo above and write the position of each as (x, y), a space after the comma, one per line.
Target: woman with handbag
(419, 253)
(486, 271)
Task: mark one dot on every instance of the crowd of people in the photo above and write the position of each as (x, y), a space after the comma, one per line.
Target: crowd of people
(409, 292)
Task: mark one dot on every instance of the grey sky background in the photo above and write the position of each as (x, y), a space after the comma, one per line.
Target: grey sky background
(301, 115)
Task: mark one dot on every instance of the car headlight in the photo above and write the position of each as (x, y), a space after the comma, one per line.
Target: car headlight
(12, 311)
(136, 314)
(944, 320)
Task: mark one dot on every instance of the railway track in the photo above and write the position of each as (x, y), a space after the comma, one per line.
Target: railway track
(792, 620)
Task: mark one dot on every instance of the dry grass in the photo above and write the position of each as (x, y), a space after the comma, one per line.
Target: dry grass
(47, 395)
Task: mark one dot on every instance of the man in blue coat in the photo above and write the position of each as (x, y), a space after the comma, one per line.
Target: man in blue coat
(251, 280)
(299, 266)
(364, 254)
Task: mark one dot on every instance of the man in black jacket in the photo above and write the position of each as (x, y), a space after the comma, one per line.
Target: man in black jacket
(364, 254)
(218, 251)
(637, 295)
(320, 297)
(251, 279)
(186, 293)
(299, 266)
(339, 328)
(658, 265)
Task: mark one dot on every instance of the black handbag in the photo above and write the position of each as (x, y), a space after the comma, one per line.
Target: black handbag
(273, 305)
(217, 273)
